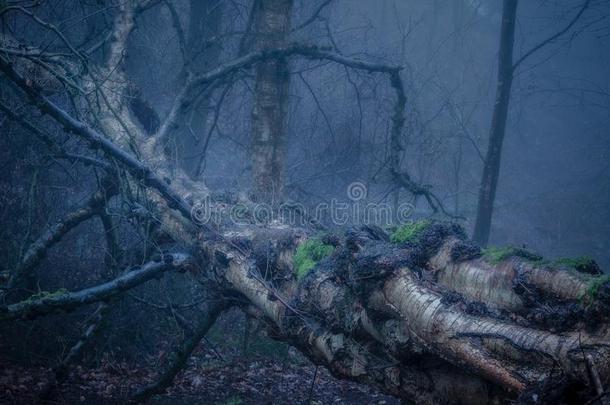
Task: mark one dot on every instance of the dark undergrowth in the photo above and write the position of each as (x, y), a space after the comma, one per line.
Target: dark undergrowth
(224, 370)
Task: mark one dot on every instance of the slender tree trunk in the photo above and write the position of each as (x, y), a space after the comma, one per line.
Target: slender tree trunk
(272, 25)
(491, 168)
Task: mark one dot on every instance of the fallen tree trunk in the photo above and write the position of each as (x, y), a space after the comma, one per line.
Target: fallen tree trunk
(426, 317)
(390, 314)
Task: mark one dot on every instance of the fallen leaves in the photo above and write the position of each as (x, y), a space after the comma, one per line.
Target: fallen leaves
(252, 381)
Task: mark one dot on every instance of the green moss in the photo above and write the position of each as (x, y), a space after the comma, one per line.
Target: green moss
(579, 263)
(308, 254)
(409, 232)
(496, 255)
(46, 294)
(595, 285)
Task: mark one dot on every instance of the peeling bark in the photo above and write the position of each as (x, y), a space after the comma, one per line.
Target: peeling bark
(389, 316)
(428, 320)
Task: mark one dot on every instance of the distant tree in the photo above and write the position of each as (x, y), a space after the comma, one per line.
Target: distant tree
(271, 28)
(202, 52)
(506, 73)
(423, 313)
(491, 166)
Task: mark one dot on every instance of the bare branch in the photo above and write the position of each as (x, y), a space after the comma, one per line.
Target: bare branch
(186, 98)
(404, 180)
(319, 106)
(183, 353)
(187, 94)
(179, 31)
(56, 150)
(314, 16)
(48, 26)
(38, 250)
(552, 37)
(114, 254)
(60, 301)
(97, 140)
(61, 371)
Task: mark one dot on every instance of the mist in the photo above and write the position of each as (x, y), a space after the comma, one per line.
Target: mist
(181, 178)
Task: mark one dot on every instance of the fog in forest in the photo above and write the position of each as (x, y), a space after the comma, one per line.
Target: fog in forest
(553, 188)
(182, 173)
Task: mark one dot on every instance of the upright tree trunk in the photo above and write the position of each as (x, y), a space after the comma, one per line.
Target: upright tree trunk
(272, 25)
(491, 168)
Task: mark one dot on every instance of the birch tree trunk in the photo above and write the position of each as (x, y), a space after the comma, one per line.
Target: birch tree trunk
(424, 314)
(271, 27)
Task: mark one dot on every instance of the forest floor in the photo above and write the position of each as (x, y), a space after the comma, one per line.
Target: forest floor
(236, 382)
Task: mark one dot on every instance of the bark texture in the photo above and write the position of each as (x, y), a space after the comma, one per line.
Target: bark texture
(272, 25)
(427, 318)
